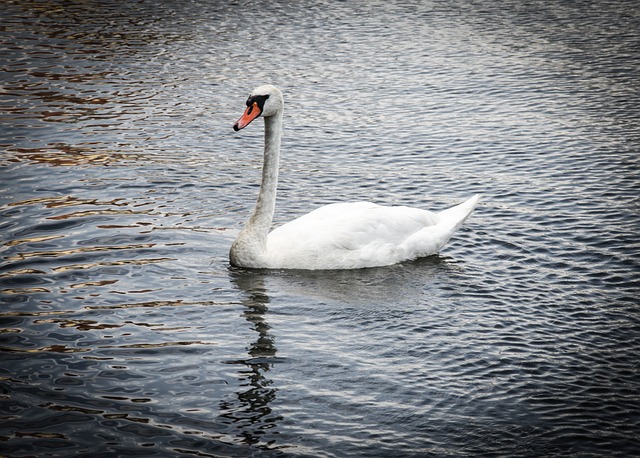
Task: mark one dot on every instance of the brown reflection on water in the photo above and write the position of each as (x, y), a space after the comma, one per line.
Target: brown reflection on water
(60, 253)
(82, 214)
(81, 325)
(64, 201)
(136, 262)
(51, 348)
(70, 156)
(42, 238)
(62, 65)
(150, 304)
(159, 345)
(40, 435)
(102, 27)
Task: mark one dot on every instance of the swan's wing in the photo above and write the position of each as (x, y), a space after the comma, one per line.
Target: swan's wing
(345, 235)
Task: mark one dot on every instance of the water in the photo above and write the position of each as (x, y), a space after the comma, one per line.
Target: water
(125, 331)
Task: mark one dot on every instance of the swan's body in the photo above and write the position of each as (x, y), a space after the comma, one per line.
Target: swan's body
(337, 236)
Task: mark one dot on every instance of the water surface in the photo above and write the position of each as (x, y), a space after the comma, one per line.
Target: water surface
(125, 331)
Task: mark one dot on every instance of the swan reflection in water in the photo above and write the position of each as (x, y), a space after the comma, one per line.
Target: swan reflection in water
(367, 291)
(250, 413)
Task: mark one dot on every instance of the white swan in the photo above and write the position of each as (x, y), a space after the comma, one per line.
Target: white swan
(337, 236)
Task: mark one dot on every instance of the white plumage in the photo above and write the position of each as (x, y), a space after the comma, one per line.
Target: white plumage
(337, 236)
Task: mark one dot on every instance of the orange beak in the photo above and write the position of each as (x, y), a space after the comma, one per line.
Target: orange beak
(251, 113)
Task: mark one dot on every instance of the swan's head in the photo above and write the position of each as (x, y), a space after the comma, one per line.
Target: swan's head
(264, 101)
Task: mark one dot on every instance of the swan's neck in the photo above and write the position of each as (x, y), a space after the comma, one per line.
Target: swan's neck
(266, 204)
(251, 244)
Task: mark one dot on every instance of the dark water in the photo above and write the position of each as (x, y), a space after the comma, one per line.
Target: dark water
(125, 331)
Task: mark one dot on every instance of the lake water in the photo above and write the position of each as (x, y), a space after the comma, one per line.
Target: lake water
(124, 331)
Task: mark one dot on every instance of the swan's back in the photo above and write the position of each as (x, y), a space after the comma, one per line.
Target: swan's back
(362, 234)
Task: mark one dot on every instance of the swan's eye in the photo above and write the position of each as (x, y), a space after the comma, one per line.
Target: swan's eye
(257, 99)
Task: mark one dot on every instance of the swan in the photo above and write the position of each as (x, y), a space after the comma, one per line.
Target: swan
(337, 236)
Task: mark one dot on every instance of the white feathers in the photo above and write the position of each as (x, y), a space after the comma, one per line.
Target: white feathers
(337, 236)
(361, 234)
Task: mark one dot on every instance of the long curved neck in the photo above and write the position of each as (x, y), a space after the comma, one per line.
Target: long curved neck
(262, 216)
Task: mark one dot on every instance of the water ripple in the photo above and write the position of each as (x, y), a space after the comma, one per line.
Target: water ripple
(124, 330)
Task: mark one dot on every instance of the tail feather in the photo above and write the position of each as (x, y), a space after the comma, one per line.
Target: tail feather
(457, 215)
(431, 239)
